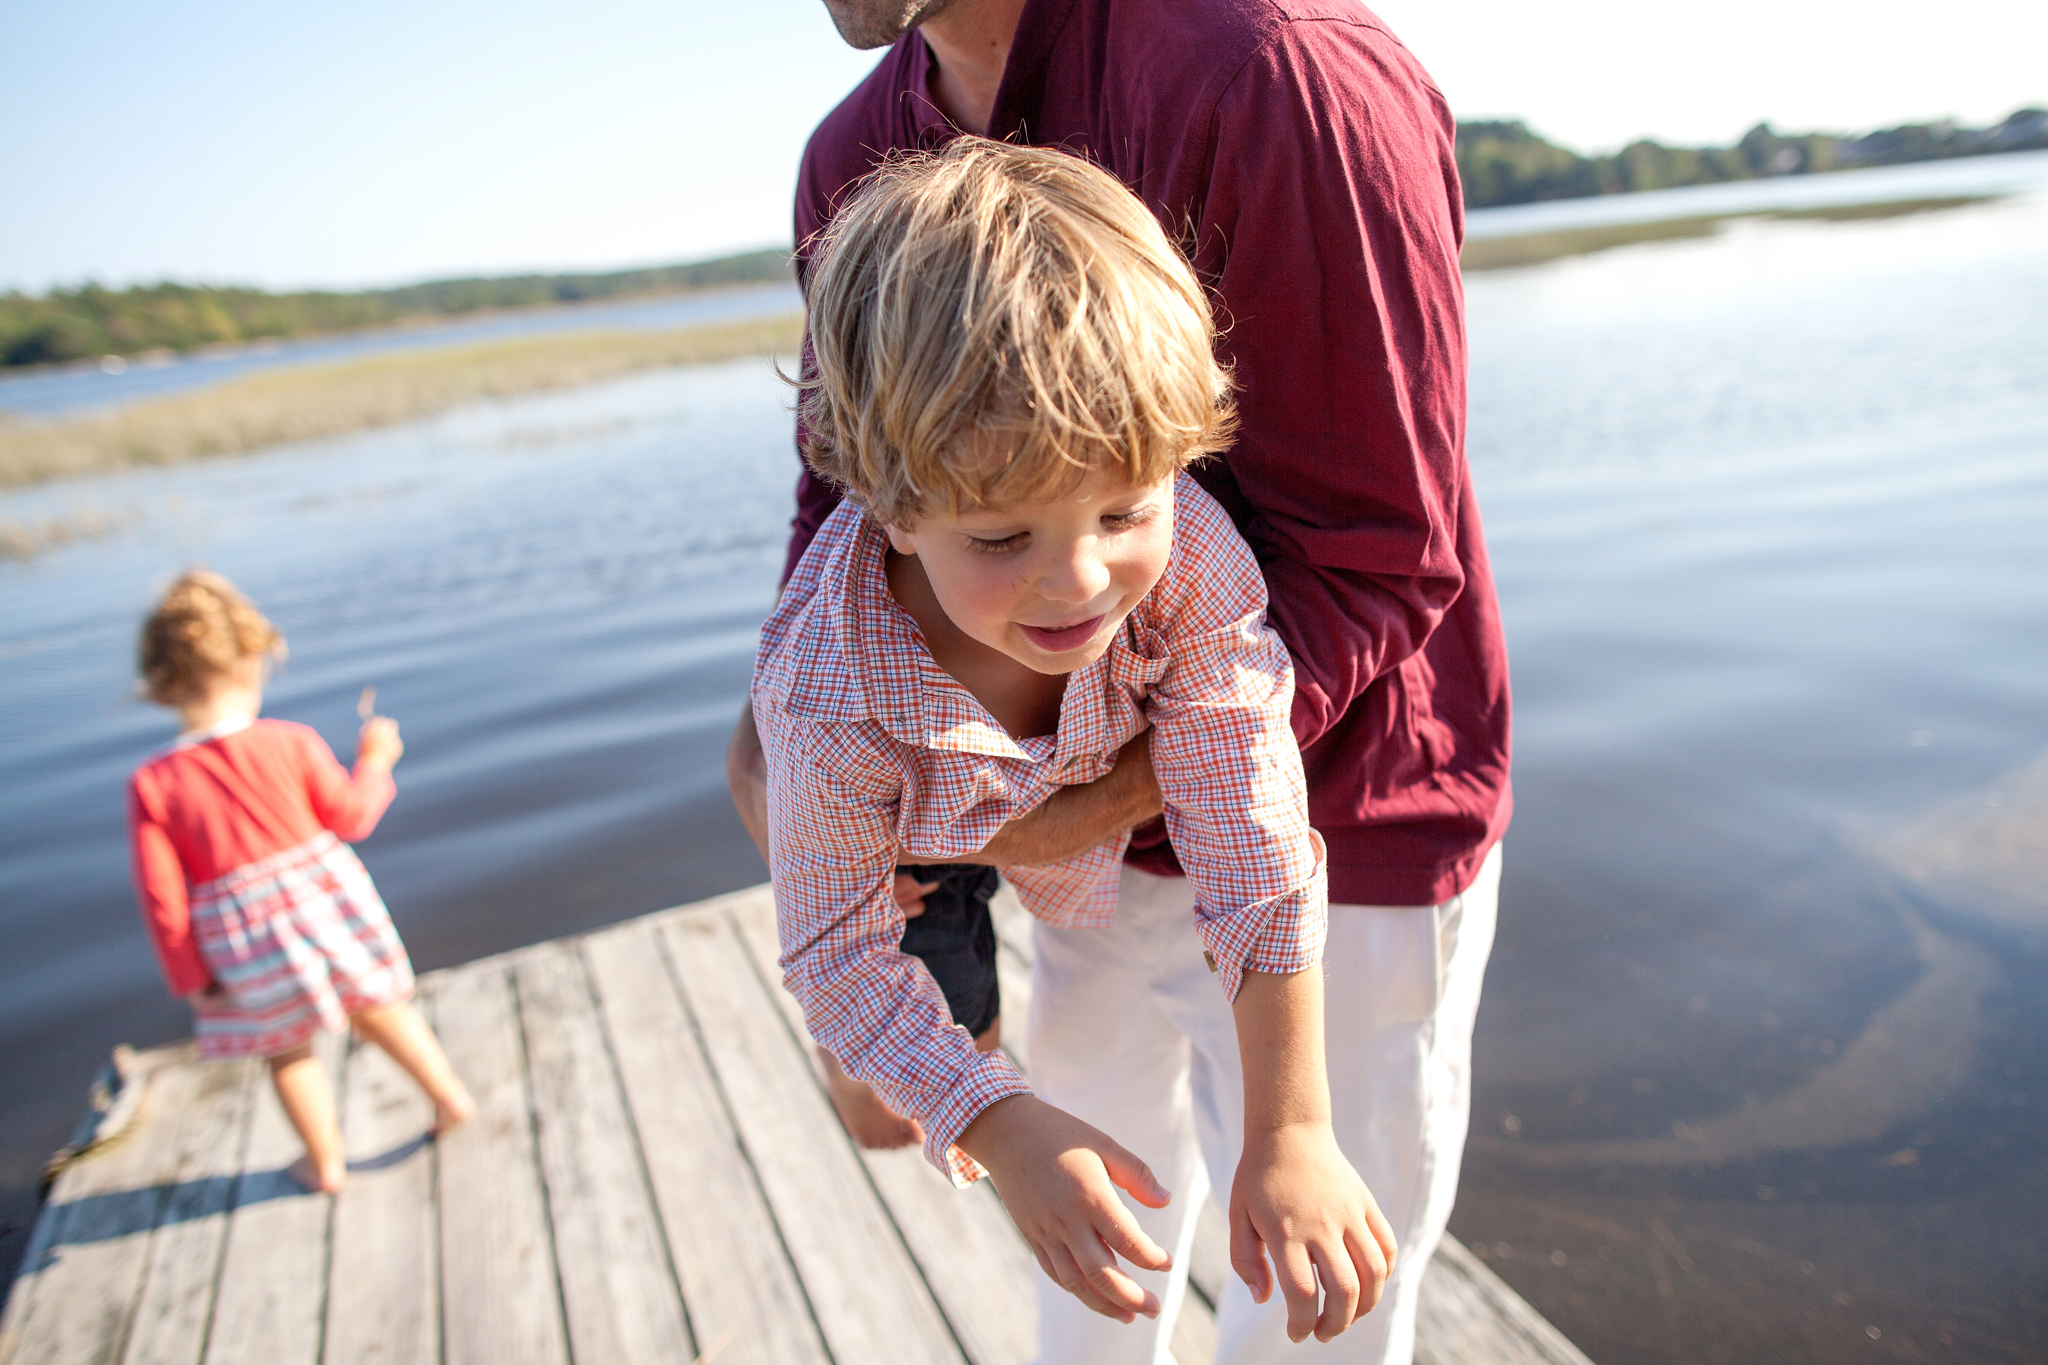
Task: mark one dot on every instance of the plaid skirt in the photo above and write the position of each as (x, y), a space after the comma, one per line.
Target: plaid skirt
(296, 942)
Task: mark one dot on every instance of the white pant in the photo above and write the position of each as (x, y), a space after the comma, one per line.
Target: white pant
(1130, 1031)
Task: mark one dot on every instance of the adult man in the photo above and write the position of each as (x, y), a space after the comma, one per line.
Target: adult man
(1304, 161)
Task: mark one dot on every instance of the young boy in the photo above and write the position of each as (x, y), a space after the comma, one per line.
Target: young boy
(1013, 367)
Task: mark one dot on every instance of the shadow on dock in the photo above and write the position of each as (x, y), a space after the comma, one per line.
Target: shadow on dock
(654, 1173)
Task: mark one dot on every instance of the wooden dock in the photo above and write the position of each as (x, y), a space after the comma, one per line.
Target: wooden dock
(654, 1175)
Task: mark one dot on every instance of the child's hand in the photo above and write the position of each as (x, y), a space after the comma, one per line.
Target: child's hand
(377, 743)
(1055, 1174)
(1298, 1200)
(203, 997)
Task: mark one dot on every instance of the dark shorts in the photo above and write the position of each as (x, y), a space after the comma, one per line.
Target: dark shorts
(956, 940)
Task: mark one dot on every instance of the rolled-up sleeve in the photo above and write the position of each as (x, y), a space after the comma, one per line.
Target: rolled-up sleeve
(831, 856)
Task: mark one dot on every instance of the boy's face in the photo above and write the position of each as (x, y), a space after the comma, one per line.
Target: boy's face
(1047, 583)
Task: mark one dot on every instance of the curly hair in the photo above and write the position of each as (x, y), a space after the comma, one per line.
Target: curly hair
(201, 628)
(991, 322)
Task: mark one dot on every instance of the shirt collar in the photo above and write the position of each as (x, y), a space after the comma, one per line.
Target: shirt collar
(220, 729)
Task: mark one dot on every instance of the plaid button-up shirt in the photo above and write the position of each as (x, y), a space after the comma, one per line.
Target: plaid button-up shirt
(872, 748)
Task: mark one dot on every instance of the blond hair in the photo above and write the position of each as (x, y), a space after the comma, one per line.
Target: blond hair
(992, 322)
(201, 628)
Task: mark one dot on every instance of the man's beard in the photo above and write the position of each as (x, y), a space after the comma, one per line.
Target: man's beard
(877, 23)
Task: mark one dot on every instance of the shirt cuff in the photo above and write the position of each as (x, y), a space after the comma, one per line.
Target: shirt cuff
(988, 1079)
(1281, 936)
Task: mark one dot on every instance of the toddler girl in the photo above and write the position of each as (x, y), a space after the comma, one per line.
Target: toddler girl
(264, 920)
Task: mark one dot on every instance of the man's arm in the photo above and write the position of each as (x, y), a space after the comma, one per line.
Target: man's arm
(1069, 822)
(1330, 229)
(1075, 819)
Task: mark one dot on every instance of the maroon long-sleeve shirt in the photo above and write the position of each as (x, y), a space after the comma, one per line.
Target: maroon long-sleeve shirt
(1303, 159)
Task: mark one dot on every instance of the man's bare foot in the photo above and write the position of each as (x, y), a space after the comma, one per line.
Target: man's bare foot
(452, 1112)
(871, 1123)
(317, 1180)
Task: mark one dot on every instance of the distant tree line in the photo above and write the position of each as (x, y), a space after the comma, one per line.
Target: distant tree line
(74, 324)
(1505, 163)
(1501, 163)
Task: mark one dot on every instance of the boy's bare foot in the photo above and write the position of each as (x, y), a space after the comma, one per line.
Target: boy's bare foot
(452, 1112)
(316, 1180)
(868, 1121)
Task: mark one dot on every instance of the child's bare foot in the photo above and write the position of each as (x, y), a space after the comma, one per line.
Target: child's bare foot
(868, 1121)
(316, 1179)
(452, 1112)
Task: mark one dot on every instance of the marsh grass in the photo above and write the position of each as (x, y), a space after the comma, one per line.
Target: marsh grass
(23, 538)
(1505, 253)
(280, 406)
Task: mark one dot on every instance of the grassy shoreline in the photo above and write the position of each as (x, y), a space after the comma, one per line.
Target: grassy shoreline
(1536, 248)
(276, 407)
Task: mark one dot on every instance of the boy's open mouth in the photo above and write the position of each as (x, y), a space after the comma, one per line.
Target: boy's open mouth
(1058, 640)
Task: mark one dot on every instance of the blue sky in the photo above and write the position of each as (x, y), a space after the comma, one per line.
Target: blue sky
(290, 144)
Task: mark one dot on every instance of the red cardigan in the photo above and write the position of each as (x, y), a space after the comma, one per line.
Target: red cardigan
(201, 809)
(1305, 160)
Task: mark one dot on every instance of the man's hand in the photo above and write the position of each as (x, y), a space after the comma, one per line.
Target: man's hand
(746, 776)
(1056, 1175)
(1297, 1200)
(909, 893)
(1075, 819)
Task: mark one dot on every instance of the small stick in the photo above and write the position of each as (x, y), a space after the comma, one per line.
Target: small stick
(366, 705)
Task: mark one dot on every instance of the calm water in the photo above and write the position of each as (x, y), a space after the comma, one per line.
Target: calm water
(1766, 511)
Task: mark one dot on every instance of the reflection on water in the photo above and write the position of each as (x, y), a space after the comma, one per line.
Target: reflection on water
(1766, 517)
(1761, 1060)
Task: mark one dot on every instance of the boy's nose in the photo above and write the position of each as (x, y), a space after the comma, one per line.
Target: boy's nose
(1078, 577)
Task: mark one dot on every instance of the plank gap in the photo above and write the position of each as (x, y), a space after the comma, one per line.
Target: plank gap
(547, 1207)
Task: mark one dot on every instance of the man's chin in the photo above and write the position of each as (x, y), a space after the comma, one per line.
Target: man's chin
(868, 24)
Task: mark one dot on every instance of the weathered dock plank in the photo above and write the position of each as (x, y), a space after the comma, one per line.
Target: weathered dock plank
(175, 1309)
(973, 1257)
(618, 1288)
(738, 1285)
(870, 1298)
(384, 1299)
(654, 1173)
(273, 1274)
(500, 1299)
(89, 1271)
(1468, 1315)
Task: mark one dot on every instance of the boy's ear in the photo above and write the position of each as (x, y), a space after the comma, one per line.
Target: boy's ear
(899, 540)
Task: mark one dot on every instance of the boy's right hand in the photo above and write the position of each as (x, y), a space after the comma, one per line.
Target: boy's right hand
(377, 743)
(1058, 1178)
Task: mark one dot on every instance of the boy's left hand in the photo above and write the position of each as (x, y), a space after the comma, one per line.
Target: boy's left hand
(1297, 1199)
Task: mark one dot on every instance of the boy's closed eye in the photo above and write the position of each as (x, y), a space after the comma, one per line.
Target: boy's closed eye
(1112, 522)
